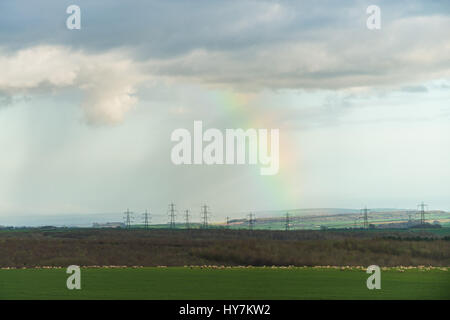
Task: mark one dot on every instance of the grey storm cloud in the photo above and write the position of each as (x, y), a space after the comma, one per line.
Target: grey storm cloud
(169, 28)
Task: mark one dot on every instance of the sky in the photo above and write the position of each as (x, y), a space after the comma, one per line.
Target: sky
(86, 115)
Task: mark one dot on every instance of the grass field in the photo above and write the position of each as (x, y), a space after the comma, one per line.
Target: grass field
(228, 283)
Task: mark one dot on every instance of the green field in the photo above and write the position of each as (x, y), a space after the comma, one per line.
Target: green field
(228, 283)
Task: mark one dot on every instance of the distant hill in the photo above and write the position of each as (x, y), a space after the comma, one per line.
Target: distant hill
(319, 212)
(318, 218)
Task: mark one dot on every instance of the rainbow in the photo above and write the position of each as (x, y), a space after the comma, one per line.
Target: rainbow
(243, 112)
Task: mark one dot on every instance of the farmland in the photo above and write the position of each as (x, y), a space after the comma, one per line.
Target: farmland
(258, 264)
(226, 283)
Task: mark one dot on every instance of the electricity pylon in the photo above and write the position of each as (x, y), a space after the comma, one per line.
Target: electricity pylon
(205, 215)
(147, 218)
(128, 218)
(365, 212)
(287, 225)
(171, 213)
(422, 207)
(251, 221)
(186, 217)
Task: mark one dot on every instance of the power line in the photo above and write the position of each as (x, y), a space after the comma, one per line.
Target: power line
(147, 218)
(205, 215)
(172, 215)
(128, 217)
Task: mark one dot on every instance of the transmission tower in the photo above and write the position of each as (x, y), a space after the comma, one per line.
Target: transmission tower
(421, 208)
(146, 218)
(365, 212)
(287, 225)
(186, 218)
(128, 218)
(205, 215)
(171, 213)
(251, 221)
(228, 222)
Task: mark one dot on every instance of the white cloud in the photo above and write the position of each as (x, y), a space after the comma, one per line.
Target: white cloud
(108, 80)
